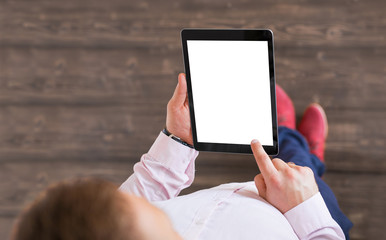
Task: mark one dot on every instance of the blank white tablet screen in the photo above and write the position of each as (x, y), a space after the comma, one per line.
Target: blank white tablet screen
(231, 91)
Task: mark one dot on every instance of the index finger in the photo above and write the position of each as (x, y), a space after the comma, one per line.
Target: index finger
(263, 161)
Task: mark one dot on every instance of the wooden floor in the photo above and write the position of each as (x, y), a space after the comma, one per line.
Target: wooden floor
(84, 87)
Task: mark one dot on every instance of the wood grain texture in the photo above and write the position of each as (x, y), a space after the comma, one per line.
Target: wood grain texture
(338, 78)
(151, 23)
(362, 198)
(87, 77)
(111, 133)
(65, 133)
(84, 87)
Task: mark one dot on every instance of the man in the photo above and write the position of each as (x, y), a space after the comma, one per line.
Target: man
(285, 201)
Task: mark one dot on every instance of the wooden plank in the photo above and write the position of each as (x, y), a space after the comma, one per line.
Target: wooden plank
(83, 76)
(337, 78)
(6, 225)
(142, 24)
(354, 138)
(95, 133)
(361, 196)
(87, 133)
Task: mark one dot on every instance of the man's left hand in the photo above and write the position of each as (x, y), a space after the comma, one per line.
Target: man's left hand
(283, 185)
(177, 117)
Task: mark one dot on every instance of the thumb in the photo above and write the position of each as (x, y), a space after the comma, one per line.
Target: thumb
(180, 92)
(260, 185)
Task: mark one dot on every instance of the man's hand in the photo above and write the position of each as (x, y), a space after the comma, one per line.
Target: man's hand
(177, 117)
(281, 184)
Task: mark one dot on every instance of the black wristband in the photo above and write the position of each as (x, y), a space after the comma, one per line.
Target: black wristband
(175, 138)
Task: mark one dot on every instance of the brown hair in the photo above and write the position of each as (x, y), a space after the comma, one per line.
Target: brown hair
(78, 209)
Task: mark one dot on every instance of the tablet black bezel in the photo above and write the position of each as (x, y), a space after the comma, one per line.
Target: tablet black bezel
(229, 35)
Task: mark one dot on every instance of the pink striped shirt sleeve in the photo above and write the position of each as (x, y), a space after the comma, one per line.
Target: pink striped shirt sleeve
(163, 172)
(312, 220)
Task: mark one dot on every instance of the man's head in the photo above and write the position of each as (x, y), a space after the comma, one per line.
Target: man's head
(91, 209)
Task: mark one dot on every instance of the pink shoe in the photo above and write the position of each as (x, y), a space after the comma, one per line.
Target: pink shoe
(285, 109)
(314, 128)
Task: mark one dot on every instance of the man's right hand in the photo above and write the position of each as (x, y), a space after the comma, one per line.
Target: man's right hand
(283, 185)
(177, 117)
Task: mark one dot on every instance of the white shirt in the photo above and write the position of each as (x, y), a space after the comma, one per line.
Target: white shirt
(229, 211)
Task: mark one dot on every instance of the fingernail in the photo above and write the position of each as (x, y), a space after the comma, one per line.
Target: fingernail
(255, 141)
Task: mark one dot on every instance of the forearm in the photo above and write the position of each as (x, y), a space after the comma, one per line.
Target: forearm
(312, 220)
(163, 172)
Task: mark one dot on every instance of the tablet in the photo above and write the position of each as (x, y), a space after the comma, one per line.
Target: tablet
(231, 89)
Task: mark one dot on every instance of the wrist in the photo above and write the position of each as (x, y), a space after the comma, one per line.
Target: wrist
(176, 138)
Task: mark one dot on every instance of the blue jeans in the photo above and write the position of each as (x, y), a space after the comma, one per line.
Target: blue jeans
(294, 148)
